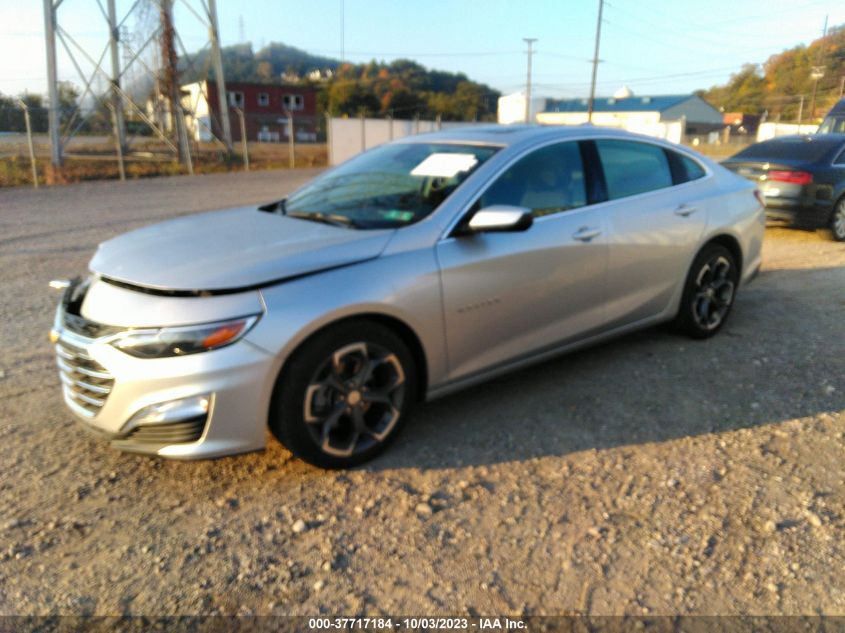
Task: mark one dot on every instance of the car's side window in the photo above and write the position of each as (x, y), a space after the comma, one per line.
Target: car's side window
(840, 160)
(549, 180)
(631, 167)
(683, 168)
(693, 169)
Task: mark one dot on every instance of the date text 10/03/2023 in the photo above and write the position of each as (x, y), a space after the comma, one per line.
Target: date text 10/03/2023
(416, 623)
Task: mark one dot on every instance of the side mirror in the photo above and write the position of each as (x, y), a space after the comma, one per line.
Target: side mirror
(500, 218)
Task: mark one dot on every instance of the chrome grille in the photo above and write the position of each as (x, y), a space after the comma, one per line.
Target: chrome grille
(86, 383)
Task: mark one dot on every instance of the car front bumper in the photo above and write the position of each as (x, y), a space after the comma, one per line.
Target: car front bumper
(106, 389)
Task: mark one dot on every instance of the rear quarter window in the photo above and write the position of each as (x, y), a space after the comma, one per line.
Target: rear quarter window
(693, 169)
(684, 169)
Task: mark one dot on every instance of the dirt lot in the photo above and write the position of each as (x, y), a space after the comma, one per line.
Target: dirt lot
(651, 475)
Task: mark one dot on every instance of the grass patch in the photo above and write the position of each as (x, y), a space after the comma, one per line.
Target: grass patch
(95, 162)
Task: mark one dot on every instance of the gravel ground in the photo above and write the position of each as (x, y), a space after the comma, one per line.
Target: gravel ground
(651, 475)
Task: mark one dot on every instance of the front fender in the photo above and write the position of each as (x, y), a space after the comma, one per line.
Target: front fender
(404, 287)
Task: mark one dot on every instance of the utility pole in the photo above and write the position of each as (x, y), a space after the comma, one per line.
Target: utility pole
(217, 60)
(117, 100)
(595, 65)
(52, 84)
(171, 78)
(817, 72)
(800, 113)
(841, 86)
(530, 41)
(342, 30)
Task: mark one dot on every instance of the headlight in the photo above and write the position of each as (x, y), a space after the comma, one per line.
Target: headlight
(179, 341)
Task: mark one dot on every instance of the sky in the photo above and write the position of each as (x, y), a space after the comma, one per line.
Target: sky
(652, 46)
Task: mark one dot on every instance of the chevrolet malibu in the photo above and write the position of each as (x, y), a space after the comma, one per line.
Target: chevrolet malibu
(415, 269)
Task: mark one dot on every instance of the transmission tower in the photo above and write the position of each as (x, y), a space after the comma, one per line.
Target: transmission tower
(133, 64)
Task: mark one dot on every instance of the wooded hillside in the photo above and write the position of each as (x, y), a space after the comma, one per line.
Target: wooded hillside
(777, 86)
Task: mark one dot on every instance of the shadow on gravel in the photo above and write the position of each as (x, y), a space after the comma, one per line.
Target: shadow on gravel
(781, 356)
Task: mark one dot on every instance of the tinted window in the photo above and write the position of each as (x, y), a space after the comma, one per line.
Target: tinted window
(693, 170)
(832, 125)
(549, 180)
(631, 168)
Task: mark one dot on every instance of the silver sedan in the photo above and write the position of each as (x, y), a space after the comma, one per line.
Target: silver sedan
(413, 270)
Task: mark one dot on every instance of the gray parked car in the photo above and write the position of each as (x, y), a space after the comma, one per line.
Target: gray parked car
(411, 271)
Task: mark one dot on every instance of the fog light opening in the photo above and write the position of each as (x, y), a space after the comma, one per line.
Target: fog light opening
(171, 411)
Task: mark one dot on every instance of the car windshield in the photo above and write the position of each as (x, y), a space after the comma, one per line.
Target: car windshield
(387, 187)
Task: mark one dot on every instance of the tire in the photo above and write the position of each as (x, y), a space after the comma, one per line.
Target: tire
(709, 292)
(837, 221)
(344, 395)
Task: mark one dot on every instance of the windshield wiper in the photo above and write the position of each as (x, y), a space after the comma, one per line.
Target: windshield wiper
(325, 218)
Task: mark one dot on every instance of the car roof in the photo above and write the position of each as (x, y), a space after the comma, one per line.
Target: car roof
(508, 135)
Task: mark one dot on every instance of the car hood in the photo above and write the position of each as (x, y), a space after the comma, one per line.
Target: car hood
(228, 250)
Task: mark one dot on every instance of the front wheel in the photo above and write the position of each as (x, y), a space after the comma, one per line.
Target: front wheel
(837, 221)
(709, 292)
(344, 395)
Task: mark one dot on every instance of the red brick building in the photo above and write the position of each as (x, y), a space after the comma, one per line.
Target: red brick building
(266, 109)
(742, 123)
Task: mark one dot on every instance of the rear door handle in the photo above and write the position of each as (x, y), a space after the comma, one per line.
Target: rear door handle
(685, 210)
(585, 234)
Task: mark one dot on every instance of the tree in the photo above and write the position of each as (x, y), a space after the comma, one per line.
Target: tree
(784, 78)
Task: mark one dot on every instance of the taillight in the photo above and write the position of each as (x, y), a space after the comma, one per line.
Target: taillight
(759, 195)
(792, 177)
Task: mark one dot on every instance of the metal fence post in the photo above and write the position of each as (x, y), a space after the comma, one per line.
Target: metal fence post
(117, 142)
(182, 130)
(390, 124)
(244, 146)
(29, 142)
(363, 132)
(291, 143)
(329, 137)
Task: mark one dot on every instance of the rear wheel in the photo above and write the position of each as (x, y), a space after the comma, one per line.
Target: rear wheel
(709, 292)
(837, 221)
(344, 395)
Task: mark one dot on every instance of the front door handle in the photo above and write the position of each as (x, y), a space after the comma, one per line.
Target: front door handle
(685, 210)
(585, 233)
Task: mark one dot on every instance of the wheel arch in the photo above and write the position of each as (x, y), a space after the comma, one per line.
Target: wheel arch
(840, 199)
(730, 243)
(396, 325)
